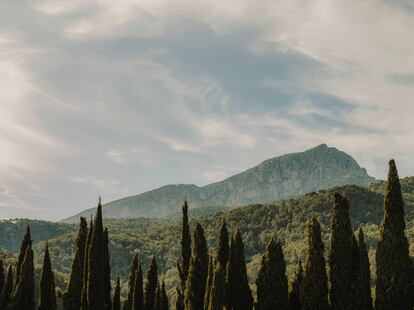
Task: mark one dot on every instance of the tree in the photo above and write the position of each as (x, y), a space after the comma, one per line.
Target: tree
(151, 285)
(394, 288)
(27, 241)
(7, 289)
(315, 284)
(179, 303)
(272, 286)
(185, 247)
(222, 249)
(295, 295)
(72, 298)
(47, 285)
(116, 304)
(84, 299)
(107, 270)
(364, 275)
(216, 295)
(96, 269)
(238, 295)
(131, 282)
(209, 282)
(341, 263)
(157, 299)
(197, 274)
(138, 289)
(23, 295)
(2, 277)
(164, 297)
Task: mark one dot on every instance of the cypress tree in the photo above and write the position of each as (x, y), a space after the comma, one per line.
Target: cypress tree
(107, 270)
(151, 285)
(209, 282)
(364, 275)
(222, 249)
(131, 282)
(315, 284)
(7, 289)
(295, 295)
(272, 286)
(47, 285)
(72, 298)
(157, 299)
(179, 303)
(197, 274)
(25, 243)
(23, 295)
(394, 288)
(216, 296)
(238, 295)
(138, 289)
(342, 271)
(2, 277)
(116, 304)
(96, 269)
(84, 299)
(164, 297)
(185, 247)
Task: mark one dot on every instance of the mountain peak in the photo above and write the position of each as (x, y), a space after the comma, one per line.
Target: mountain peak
(282, 177)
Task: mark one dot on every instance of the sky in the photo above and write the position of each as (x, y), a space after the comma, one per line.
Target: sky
(114, 98)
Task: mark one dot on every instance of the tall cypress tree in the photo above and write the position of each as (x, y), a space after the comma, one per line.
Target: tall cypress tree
(84, 299)
(131, 282)
(2, 276)
(72, 298)
(216, 295)
(7, 289)
(222, 249)
(96, 269)
(295, 294)
(23, 295)
(185, 246)
(157, 299)
(151, 285)
(209, 282)
(197, 274)
(47, 285)
(116, 304)
(25, 243)
(164, 298)
(363, 290)
(107, 270)
(315, 284)
(394, 288)
(138, 288)
(342, 274)
(272, 286)
(238, 295)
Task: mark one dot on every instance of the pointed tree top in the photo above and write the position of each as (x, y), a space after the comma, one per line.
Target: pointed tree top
(99, 200)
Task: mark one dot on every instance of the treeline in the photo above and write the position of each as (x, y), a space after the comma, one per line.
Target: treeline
(217, 281)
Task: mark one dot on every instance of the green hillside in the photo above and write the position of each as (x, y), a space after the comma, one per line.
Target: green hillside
(278, 178)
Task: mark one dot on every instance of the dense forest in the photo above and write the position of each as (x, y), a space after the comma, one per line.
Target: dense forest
(310, 258)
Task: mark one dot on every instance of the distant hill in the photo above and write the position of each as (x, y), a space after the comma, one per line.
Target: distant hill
(278, 178)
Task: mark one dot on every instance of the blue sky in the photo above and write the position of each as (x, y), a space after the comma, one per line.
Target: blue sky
(114, 98)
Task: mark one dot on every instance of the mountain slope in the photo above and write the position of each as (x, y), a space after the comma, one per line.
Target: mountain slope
(278, 178)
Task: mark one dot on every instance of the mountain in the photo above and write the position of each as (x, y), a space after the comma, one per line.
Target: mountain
(278, 178)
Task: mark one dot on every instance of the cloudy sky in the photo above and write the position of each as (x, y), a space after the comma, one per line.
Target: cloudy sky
(112, 98)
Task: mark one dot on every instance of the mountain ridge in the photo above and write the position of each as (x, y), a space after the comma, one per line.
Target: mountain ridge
(277, 178)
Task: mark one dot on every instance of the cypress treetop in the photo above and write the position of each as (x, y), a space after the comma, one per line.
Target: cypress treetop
(47, 285)
(131, 282)
(27, 241)
(238, 295)
(222, 249)
(364, 297)
(116, 304)
(216, 295)
(209, 282)
(272, 286)
(185, 246)
(138, 288)
(107, 270)
(164, 297)
(295, 294)
(394, 289)
(342, 271)
(151, 285)
(315, 284)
